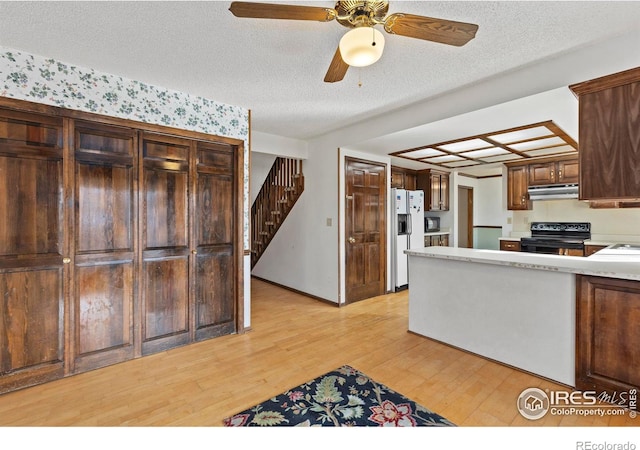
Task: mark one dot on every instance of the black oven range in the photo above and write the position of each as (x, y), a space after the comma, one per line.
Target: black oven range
(557, 238)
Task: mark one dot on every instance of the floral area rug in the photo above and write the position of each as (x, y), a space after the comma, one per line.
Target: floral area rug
(343, 397)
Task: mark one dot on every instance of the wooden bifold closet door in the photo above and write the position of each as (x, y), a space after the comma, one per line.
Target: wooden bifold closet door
(105, 245)
(115, 242)
(32, 245)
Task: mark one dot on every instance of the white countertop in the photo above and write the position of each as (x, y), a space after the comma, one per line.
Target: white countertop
(611, 266)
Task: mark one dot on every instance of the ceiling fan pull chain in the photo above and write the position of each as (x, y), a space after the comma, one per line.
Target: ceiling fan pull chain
(359, 77)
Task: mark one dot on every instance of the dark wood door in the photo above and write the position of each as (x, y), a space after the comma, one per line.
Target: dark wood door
(165, 314)
(365, 229)
(32, 245)
(214, 218)
(104, 259)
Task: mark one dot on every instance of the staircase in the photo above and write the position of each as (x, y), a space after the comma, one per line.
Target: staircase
(280, 191)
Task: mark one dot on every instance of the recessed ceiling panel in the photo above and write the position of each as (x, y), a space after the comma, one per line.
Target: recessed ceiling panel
(461, 146)
(528, 141)
(423, 153)
(521, 135)
(441, 159)
(486, 152)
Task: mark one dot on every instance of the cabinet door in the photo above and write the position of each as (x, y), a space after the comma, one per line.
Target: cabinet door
(609, 139)
(608, 336)
(591, 249)
(542, 173)
(104, 260)
(397, 179)
(423, 183)
(215, 200)
(165, 315)
(568, 171)
(32, 242)
(510, 246)
(444, 192)
(517, 185)
(436, 202)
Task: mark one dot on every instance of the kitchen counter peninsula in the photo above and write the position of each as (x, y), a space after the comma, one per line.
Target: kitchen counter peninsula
(515, 308)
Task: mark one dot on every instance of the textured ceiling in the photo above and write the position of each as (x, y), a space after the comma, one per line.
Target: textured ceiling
(276, 68)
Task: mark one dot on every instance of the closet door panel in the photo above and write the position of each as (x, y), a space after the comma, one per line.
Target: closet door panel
(32, 240)
(215, 313)
(165, 235)
(107, 303)
(105, 206)
(104, 261)
(166, 309)
(166, 208)
(215, 304)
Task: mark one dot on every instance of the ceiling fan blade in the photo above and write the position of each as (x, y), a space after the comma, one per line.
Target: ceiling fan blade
(276, 11)
(337, 68)
(430, 29)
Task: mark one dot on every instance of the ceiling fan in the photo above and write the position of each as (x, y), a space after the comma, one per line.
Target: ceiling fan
(363, 45)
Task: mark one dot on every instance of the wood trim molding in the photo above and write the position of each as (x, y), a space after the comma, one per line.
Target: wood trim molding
(606, 82)
(27, 106)
(480, 177)
(315, 297)
(526, 162)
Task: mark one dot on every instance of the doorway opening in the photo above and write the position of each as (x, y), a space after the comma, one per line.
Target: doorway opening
(465, 217)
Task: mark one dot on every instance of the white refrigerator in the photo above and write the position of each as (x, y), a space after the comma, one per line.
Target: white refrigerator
(407, 231)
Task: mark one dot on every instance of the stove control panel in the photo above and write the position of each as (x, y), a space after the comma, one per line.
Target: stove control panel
(561, 227)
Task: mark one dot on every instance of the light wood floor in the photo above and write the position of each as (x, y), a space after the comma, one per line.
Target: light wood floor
(293, 340)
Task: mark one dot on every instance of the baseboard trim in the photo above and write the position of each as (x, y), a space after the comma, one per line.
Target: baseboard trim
(314, 297)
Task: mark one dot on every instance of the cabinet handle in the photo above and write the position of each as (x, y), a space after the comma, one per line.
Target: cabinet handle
(552, 174)
(560, 174)
(195, 252)
(66, 260)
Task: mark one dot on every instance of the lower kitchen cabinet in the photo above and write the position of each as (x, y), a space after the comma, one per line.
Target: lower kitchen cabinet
(591, 249)
(121, 242)
(441, 240)
(509, 246)
(608, 335)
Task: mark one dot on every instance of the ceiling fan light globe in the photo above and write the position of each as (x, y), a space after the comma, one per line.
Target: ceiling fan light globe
(361, 46)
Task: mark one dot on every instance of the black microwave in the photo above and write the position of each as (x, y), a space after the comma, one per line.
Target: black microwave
(431, 224)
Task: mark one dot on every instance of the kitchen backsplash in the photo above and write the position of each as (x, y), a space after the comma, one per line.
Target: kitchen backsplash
(604, 222)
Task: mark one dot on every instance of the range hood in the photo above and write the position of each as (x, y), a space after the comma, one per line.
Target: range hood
(553, 192)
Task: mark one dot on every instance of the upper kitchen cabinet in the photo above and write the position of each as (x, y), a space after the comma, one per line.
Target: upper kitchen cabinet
(564, 171)
(403, 178)
(517, 186)
(436, 187)
(609, 136)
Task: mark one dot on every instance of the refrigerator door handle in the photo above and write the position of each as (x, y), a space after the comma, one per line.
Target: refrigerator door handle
(409, 225)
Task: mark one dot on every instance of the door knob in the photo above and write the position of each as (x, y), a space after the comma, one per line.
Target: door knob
(352, 240)
(66, 260)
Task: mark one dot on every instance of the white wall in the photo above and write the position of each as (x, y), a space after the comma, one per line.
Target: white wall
(304, 253)
(488, 209)
(278, 145)
(260, 166)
